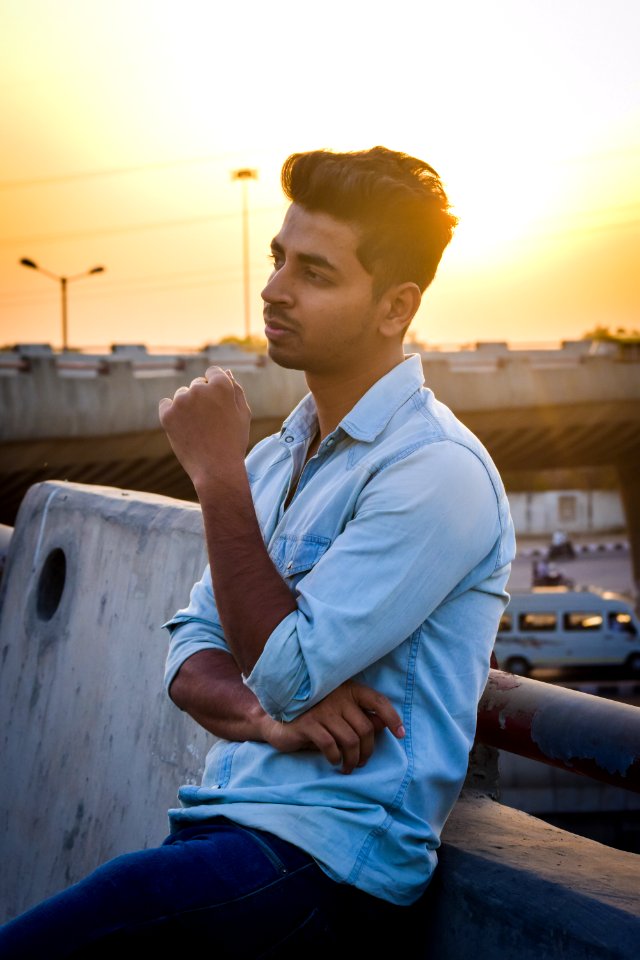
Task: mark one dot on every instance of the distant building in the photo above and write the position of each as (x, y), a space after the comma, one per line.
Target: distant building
(574, 511)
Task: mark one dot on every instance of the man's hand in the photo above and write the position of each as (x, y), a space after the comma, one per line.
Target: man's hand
(342, 726)
(207, 424)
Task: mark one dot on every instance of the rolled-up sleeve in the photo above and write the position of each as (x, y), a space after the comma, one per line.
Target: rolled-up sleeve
(194, 628)
(423, 524)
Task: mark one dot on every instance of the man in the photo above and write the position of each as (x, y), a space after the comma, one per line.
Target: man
(339, 640)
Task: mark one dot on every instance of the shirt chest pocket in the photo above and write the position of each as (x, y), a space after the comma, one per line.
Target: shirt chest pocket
(295, 555)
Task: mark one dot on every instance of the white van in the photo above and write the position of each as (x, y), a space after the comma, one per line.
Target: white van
(561, 628)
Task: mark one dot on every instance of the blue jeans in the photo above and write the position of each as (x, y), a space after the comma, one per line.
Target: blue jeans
(234, 891)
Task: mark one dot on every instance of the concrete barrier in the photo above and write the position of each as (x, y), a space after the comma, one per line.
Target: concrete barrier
(510, 886)
(93, 752)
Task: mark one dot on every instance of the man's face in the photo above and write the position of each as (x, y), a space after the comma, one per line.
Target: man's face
(320, 314)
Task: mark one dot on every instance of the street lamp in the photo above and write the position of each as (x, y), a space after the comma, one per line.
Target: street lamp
(245, 174)
(63, 287)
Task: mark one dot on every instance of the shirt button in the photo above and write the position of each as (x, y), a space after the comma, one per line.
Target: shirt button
(290, 564)
(289, 439)
(330, 442)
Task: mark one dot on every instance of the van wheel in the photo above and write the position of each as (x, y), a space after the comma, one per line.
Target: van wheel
(518, 665)
(633, 663)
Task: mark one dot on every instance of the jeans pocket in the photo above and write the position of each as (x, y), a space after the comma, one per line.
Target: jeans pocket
(266, 848)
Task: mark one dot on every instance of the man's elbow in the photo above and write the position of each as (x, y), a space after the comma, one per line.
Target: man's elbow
(177, 690)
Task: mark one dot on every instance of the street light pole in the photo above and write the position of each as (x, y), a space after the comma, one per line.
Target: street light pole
(245, 174)
(63, 289)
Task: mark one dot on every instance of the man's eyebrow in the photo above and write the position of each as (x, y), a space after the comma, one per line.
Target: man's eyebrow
(317, 260)
(312, 259)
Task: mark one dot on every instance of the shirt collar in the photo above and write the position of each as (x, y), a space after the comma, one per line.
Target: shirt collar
(372, 412)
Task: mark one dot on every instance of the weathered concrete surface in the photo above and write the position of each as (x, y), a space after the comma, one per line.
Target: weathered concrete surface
(94, 419)
(93, 752)
(79, 396)
(510, 886)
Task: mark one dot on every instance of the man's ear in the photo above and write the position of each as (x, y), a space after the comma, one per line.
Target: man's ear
(400, 304)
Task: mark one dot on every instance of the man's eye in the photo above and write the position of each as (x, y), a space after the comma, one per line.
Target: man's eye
(315, 277)
(275, 260)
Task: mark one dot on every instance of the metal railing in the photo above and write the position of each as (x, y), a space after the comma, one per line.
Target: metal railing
(565, 728)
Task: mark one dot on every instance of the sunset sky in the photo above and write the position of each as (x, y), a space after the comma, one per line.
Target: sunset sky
(120, 124)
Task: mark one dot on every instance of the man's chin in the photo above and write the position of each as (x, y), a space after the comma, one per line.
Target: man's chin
(282, 358)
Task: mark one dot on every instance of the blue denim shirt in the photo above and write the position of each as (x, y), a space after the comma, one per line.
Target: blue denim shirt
(397, 545)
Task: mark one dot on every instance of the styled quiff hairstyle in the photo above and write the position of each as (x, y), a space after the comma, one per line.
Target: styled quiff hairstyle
(396, 202)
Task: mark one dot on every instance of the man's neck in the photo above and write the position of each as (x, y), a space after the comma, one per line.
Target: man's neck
(337, 393)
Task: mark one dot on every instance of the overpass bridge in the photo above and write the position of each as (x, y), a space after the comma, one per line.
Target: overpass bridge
(92, 418)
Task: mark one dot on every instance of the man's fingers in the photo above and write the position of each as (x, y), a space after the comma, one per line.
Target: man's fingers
(349, 743)
(163, 408)
(344, 725)
(348, 740)
(379, 706)
(166, 404)
(213, 373)
(325, 742)
(240, 397)
(339, 743)
(365, 728)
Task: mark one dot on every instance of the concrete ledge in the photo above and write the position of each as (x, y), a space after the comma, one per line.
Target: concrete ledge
(510, 886)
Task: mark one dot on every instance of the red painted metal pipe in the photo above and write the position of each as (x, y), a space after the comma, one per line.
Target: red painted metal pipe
(577, 731)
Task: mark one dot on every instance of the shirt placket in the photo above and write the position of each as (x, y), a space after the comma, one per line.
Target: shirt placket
(309, 470)
(295, 448)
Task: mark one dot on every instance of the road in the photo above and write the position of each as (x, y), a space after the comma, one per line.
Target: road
(609, 571)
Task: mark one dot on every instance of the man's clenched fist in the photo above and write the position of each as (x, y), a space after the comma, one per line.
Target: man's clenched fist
(208, 425)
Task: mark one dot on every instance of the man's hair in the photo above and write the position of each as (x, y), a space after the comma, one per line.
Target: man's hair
(396, 202)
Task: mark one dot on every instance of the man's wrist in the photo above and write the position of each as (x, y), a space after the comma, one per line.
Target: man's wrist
(220, 481)
(260, 722)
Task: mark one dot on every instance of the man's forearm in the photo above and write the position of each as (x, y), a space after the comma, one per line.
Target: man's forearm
(251, 596)
(209, 687)
(208, 427)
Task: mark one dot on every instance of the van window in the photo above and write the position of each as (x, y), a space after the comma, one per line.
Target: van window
(622, 623)
(537, 621)
(582, 621)
(506, 623)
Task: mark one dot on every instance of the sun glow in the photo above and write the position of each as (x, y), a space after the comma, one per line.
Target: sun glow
(121, 126)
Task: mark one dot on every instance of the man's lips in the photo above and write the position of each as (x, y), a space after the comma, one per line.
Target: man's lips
(275, 327)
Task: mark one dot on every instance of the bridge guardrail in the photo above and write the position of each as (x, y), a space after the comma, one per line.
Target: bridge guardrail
(565, 728)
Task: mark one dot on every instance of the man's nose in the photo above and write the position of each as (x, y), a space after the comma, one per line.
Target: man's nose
(278, 288)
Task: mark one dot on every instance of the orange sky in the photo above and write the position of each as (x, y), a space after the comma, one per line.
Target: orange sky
(120, 124)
